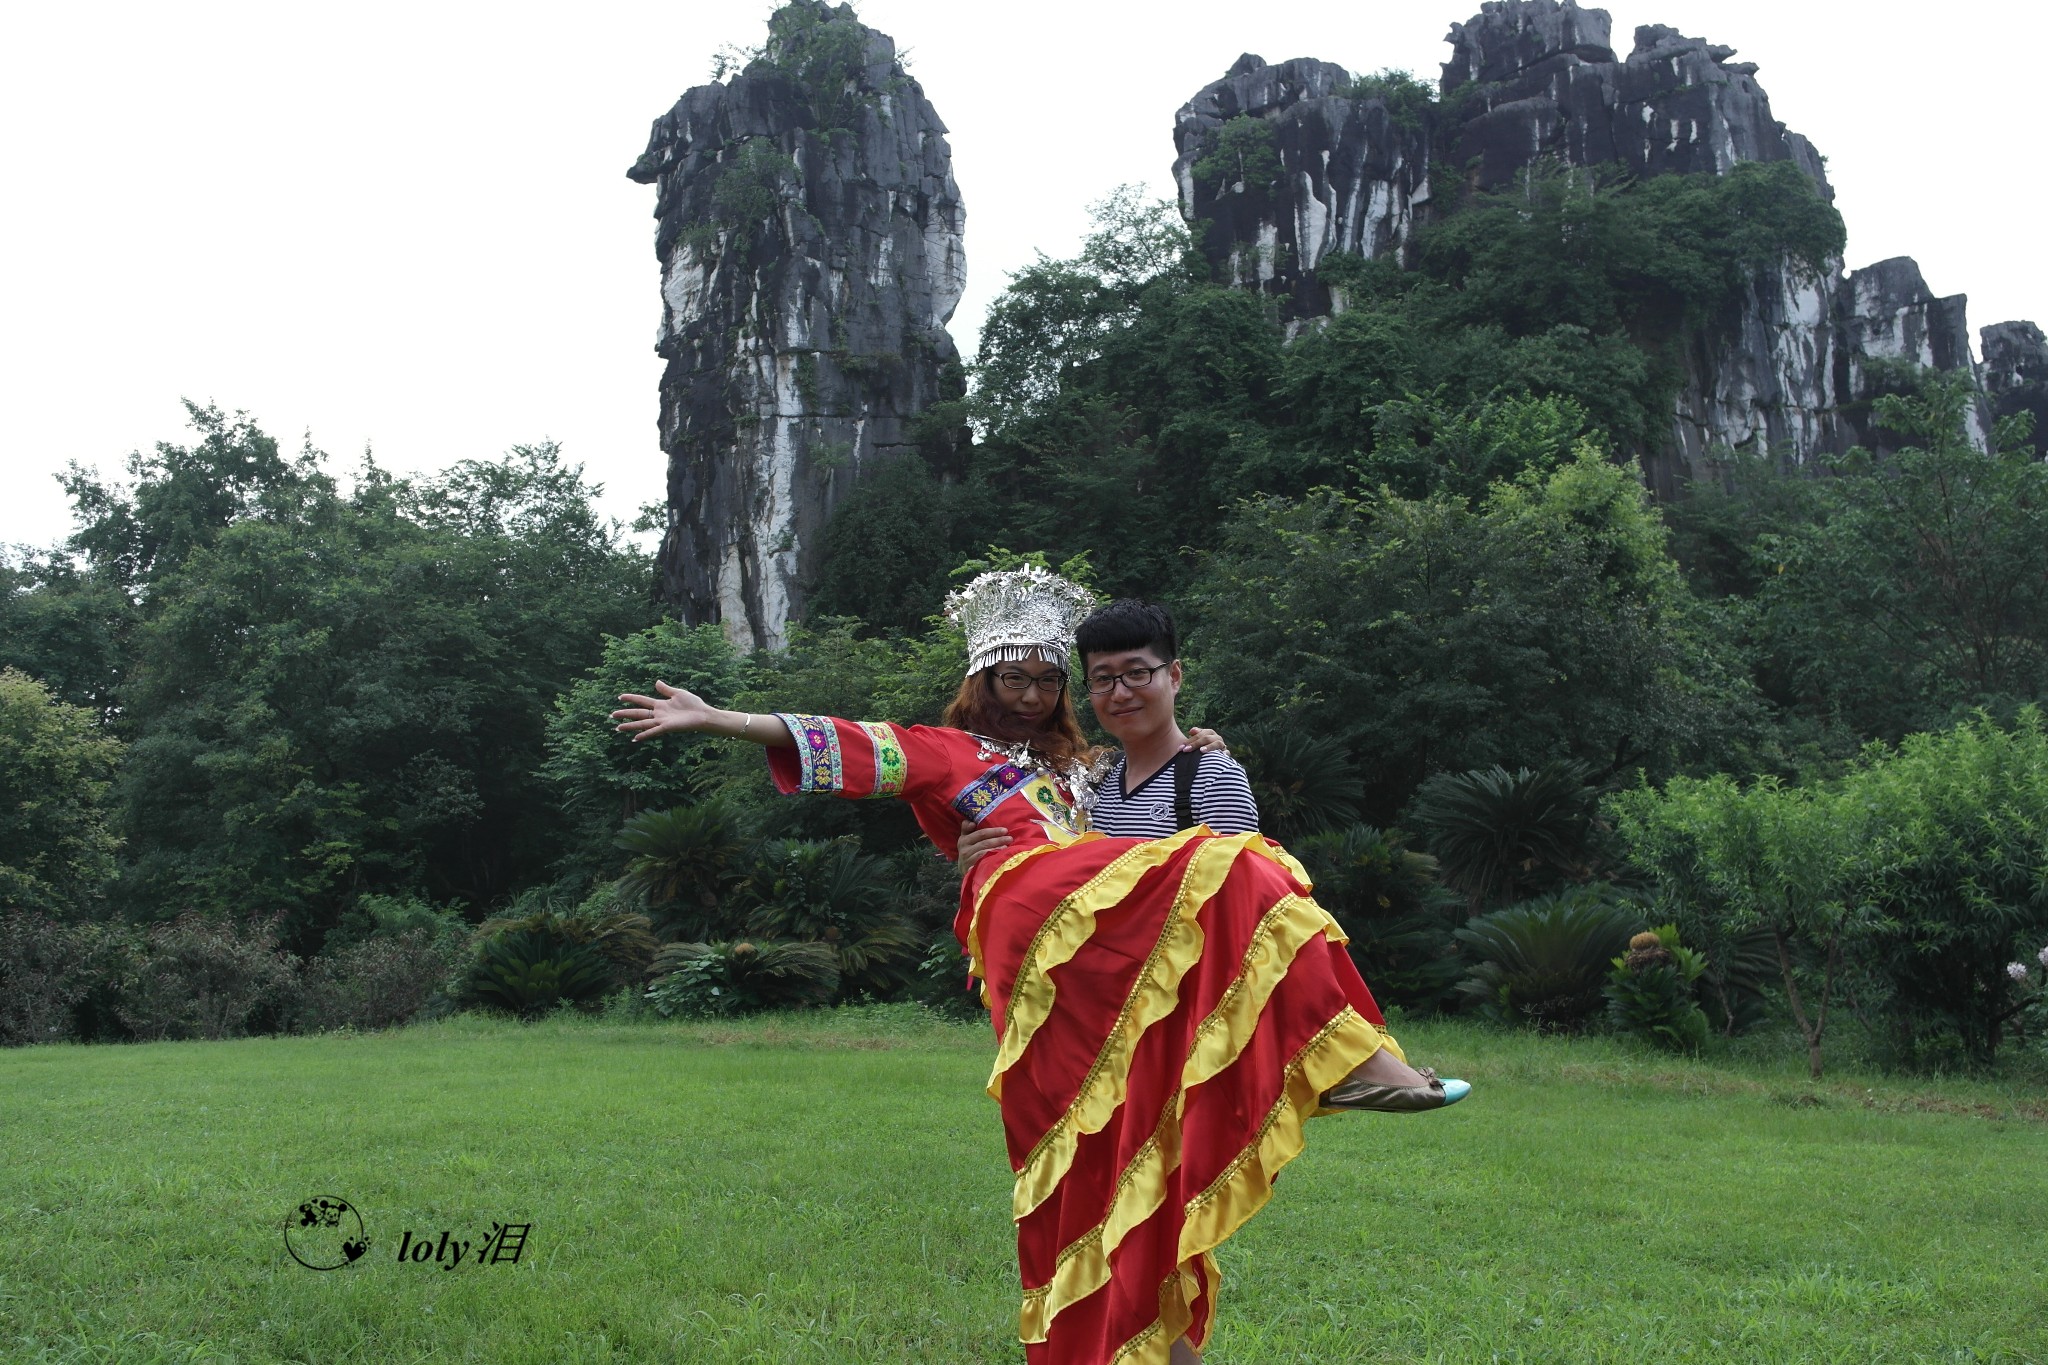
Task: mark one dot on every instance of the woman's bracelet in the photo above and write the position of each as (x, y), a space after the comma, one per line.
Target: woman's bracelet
(744, 728)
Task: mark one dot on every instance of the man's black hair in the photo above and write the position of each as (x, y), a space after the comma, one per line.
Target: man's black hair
(1127, 625)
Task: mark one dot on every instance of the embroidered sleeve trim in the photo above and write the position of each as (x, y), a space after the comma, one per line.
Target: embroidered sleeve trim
(819, 765)
(892, 769)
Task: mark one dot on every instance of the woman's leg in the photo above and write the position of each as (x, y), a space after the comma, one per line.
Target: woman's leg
(1384, 1068)
(1183, 1354)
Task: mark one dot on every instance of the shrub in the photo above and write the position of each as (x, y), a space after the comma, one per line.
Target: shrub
(1498, 833)
(1544, 962)
(1650, 991)
(375, 983)
(742, 977)
(1305, 783)
(49, 970)
(202, 977)
(941, 984)
(1386, 897)
(831, 892)
(683, 864)
(531, 968)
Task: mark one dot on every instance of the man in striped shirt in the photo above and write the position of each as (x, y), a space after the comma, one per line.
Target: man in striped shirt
(1160, 784)
(1132, 659)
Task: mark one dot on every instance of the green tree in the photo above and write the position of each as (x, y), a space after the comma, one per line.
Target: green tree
(1547, 623)
(1955, 871)
(334, 694)
(1727, 860)
(1920, 590)
(602, 780)
(56, 768)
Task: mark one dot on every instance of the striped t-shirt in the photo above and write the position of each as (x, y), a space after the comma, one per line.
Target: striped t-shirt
(1222, 799)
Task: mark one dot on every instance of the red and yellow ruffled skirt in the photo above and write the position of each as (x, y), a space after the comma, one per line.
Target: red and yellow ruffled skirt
(1169, 1012)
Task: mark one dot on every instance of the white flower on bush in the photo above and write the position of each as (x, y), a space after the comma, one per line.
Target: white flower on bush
(2042, 957)
(2016, 970)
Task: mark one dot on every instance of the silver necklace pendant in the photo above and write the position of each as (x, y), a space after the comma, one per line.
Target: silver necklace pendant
(1080, 779)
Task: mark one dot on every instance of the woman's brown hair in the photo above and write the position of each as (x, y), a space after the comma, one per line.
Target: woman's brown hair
(976, 709)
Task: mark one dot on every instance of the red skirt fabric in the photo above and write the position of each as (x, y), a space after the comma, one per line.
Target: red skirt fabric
(1169, 1012)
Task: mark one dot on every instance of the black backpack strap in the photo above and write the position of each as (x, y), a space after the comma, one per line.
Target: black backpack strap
(1184, 764)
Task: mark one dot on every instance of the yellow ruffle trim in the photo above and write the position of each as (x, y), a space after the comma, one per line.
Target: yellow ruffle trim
(1237, 1194)
(1003, 869)
(1154, 1344)
(1070, 925)
(1154, 995)
(1247, 1183)
(1083, 1265)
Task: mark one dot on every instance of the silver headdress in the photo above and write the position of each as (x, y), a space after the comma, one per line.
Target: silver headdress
(1016, 614)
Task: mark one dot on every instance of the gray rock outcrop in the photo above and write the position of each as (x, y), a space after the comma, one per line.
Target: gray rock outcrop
(810, 239)
(1356, 165)
(2015, 374)
(1343, 172)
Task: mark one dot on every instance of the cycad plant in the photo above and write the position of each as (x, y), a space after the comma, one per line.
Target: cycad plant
(1650, 991)
(1500, 835)
(830, 892)
(1306, 783)
(682, 864)
(1545, 962)
(529, 970)
(1387, 897)
(742, 976)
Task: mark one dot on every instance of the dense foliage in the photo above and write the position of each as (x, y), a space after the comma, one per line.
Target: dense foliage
(283, 750)
(325, 693)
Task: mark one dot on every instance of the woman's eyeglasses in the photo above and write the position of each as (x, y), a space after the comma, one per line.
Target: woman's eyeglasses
(1017, 680)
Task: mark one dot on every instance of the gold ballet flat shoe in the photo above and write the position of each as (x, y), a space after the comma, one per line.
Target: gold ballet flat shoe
(1352, 1093)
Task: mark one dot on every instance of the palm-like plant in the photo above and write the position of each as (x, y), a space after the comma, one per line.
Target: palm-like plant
(1387, 897)
(529, 970)
(682, 864)
(1500, 834)
(832, 893)
(624, 939)
(1305, 782)
(738, 977)
(1545, 961)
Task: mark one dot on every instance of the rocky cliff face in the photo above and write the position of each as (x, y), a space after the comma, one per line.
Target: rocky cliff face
(2015, 374)
(810, 245)
(1360, 161)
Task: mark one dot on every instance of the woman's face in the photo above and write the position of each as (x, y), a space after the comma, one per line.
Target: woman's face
(1028, 691)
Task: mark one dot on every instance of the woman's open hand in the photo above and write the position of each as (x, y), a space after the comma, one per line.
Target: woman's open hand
(674, 710)
(1205, 741)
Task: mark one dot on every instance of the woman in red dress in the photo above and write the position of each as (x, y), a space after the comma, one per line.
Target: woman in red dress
(1168, 1011)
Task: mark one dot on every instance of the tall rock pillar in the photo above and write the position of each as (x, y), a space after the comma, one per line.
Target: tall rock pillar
(810, 245)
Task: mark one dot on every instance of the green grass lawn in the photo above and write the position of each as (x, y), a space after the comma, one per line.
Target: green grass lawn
(832, 1188)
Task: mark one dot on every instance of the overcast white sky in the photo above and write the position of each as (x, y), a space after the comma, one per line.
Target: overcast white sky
(408, 225)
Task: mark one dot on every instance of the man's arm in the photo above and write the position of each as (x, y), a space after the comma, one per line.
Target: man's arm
(1222, 798)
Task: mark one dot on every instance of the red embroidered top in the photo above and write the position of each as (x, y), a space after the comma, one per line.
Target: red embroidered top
(946, 775)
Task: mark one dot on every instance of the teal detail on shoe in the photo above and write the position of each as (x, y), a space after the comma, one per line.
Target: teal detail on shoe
(1455, 1091)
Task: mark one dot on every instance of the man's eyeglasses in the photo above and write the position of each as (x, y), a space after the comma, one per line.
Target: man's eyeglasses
(1133, 678)
(1017, 680)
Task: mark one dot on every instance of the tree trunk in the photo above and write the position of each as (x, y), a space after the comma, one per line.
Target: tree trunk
(1807, 1030)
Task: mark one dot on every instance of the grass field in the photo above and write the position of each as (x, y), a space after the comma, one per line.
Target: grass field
(832, 1188)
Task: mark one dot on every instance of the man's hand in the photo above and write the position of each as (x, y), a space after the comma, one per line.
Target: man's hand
(1207, 741)
(673, 710)
(976, 843)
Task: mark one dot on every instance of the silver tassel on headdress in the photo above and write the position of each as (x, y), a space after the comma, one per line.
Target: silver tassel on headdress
(1014, 615)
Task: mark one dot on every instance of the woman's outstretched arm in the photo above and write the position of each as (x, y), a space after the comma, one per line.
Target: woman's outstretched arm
(677, 711)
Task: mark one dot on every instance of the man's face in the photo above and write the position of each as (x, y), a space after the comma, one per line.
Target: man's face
(1128, 710)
